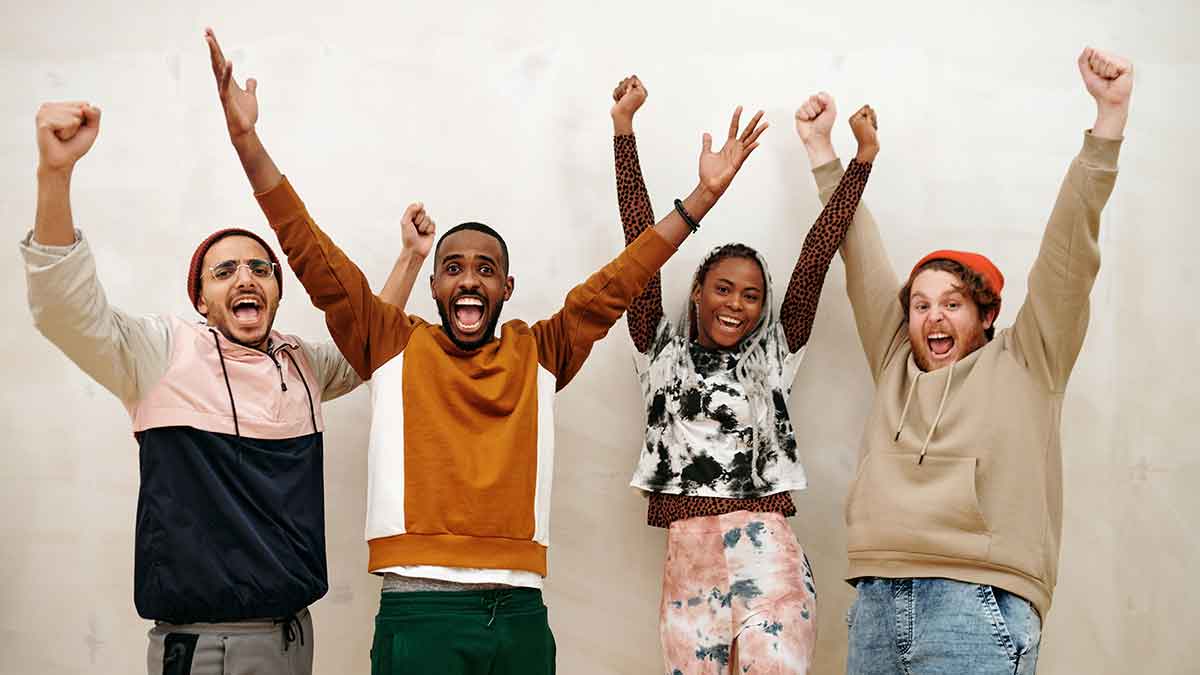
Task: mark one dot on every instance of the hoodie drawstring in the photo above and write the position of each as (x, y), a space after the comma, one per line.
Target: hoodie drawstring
(221, 355)
(912, 388)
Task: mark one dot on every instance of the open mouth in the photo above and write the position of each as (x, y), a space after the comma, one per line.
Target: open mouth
(729, 324)
(247, 310)
(940, 344)
(468, 314)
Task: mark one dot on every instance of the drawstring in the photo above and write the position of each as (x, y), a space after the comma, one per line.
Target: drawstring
(904, 413)
(937, 418)
(912, 388)
(290, 628)
(312, 413)
(237, 432)
(497, 599)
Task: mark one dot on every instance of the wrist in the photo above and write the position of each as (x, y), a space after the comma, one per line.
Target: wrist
(867, 153)
(54, 174)
(410, 255)
(703, 198)
(244, 140)
(820, 150)
(622, 124)
(1110, 120)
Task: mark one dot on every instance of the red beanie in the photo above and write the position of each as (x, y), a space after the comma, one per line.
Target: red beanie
(975, 262)
(194, 272)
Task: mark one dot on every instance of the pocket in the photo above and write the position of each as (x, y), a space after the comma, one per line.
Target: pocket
(1020, 622)
(897, 504)
(178, 651)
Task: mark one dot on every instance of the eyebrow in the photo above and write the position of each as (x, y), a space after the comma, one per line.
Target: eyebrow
(748, 288)
(461, 256)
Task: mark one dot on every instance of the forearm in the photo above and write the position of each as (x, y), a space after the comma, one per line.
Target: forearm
(824, 237)
(673, 228)
(53, 224)
(622, 125)
(1110, 121)
(259, 167)
(403, 276)
(820, 150)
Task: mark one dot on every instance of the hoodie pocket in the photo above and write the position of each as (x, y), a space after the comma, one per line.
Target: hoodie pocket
(930, 508)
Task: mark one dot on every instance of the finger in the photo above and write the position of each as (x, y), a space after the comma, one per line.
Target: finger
(824, 99)
(215, 55)
(707, 143)
(735, 122)
(746, 154)
(750, 126)
(251, 85)
(753, 138)
(226, 77)
(410, 213)
(91, 116)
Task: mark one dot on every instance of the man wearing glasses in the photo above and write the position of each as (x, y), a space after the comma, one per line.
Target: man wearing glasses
(230, 532)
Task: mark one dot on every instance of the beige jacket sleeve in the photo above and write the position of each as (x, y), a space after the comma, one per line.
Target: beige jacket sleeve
(125, 354)
(336, 376)
(1051, 324)
(871, 281)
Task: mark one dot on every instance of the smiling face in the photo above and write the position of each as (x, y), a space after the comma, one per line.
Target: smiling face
(728, 302)
(470, 284)
(243, 305)
(944, 322)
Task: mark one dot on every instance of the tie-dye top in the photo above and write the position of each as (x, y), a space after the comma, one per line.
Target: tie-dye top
(700, 457)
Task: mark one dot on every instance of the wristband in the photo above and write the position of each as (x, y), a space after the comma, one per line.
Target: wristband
(687, 217)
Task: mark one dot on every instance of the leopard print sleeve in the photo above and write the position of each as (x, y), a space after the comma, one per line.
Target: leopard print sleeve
(804, 289)
(646, 310)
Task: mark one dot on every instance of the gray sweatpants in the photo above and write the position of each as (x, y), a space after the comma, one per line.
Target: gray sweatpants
(239, 648)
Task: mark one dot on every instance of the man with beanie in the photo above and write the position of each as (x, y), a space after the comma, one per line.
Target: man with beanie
(230, 529)
(954, 518)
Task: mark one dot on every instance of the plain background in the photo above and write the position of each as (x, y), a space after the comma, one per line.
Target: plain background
(500, 113)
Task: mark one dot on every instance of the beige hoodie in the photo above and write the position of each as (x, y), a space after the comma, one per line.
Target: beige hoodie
(985, 504)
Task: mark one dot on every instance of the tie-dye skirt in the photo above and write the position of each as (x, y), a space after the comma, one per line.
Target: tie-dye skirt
(738, 596)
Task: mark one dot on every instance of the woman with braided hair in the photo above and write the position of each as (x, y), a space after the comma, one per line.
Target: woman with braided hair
(720, 455)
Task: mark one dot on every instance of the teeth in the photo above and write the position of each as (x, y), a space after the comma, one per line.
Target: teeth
(732, 323)
(937, 336)
(469, 301)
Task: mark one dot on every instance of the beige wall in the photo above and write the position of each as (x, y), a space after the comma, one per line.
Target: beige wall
(501, 115)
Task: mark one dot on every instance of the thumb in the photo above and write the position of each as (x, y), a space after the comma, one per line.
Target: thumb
(251, 85)
(410, 213)
(707, 147)
(1084, 56)
(91, 116)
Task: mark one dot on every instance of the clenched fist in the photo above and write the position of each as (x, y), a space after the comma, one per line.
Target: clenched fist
(815, 117)
(865, 127)
(65, 132)
(417, 229)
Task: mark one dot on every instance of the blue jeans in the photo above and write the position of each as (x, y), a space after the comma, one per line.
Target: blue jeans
(940, 627)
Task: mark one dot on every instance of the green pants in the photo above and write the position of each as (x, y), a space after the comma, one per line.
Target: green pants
(502, 632)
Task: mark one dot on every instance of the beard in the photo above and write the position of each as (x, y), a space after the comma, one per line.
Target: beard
(487, 336)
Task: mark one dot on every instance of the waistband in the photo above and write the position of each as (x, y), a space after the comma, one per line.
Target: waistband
(248, 627)
(482, 603)
(724, 522)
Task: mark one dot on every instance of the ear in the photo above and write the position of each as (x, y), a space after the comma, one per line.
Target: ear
(990, 318)
(432, 288)
(696, 294)
(509, 285)
(202, 307)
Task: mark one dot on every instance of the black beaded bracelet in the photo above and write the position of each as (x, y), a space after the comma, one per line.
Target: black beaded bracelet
(687, 217)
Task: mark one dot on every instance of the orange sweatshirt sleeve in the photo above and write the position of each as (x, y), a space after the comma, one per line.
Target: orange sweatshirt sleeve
(367, 330)
(591, 308)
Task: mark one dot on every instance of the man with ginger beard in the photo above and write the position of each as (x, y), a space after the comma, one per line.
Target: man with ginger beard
(955, 517)
(230, 530)
(461, 452)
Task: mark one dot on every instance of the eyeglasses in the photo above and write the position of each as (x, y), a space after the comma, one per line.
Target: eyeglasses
(258, 267)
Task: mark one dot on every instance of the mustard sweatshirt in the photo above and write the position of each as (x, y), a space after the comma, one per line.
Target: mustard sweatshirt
(461, 453)
(985, 504)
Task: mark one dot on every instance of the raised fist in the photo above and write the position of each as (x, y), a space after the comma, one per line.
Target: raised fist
(865, 127)
(814, 118)
(65, 132)
(629, 95)
(1109, 78)
(417, 229)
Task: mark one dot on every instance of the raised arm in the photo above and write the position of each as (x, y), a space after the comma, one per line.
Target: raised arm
(1051, 324)
(367, 330)
(590, 309)
(825, 236)
(637, 215)
(417, 234)
(124, 354)
(871, 282)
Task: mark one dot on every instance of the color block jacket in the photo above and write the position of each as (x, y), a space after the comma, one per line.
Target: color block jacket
(230, 516)
(462, 443)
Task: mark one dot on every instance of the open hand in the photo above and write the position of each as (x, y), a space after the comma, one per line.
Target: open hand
(629, 95)
(241, 105)
(417, 229)
(815, 117)
(65, 132)
(717, 169)
(865, 127)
